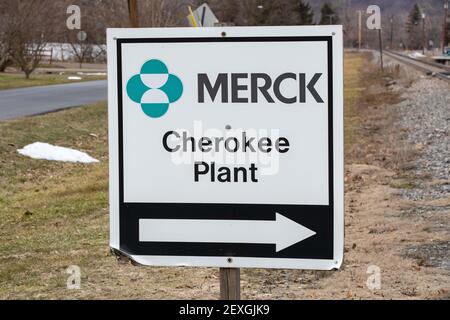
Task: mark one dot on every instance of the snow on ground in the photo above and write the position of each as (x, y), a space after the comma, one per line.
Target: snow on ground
(41, 150)
(92, 73)
(416, 55)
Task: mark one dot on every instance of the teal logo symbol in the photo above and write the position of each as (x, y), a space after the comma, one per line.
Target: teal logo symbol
(154, 88)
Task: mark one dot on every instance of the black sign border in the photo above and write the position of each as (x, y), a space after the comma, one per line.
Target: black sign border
(320, 218)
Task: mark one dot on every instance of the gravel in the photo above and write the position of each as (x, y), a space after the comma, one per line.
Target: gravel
(430, 254)
(426, 116)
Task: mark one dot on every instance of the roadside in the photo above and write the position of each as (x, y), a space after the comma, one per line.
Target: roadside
(52, 74)
(54, 215)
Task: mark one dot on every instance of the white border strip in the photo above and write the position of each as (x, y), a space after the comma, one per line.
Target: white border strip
(338, 134)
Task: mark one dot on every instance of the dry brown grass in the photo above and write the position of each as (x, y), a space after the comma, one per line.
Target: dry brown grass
(376, 139)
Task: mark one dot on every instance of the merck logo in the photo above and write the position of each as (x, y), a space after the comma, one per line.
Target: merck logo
(154, 88)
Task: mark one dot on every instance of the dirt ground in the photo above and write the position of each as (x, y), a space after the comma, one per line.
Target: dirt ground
(56, 215)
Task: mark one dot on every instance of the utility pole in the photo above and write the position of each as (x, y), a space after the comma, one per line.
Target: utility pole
(381, 49)
(444, 27)
(391, 39)
(331, 16)
(423, 34)
(359, 28)
(133, 13)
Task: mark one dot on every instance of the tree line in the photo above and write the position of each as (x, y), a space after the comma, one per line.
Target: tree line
(27, 26)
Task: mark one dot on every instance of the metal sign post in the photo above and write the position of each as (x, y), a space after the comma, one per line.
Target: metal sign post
(203, 16)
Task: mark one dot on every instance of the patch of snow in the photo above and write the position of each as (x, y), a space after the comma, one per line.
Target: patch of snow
(92, 73)
(41, 150)
(74, 78)
(416, 55)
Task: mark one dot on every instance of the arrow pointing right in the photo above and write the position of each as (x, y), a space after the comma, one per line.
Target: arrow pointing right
(283, 232)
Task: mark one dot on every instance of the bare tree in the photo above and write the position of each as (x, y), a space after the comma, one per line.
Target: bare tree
(349, 22)
(4, 56)
(4, 48)
(87, 43)
(82, 46)
(158, 13)
(27, 31)
(4, 51)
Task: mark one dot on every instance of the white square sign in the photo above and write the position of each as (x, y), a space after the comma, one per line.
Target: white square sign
(226, 146)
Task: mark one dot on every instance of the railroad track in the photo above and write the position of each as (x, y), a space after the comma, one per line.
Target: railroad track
(430, 68)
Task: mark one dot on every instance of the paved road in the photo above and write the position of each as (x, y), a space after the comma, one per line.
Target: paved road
(15, 103)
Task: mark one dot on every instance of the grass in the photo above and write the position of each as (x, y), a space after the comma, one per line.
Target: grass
(53, 215)
(18, 80)
(51, 211)
(403, 184)
(372, 135)
(370, 113)
(353, 89)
